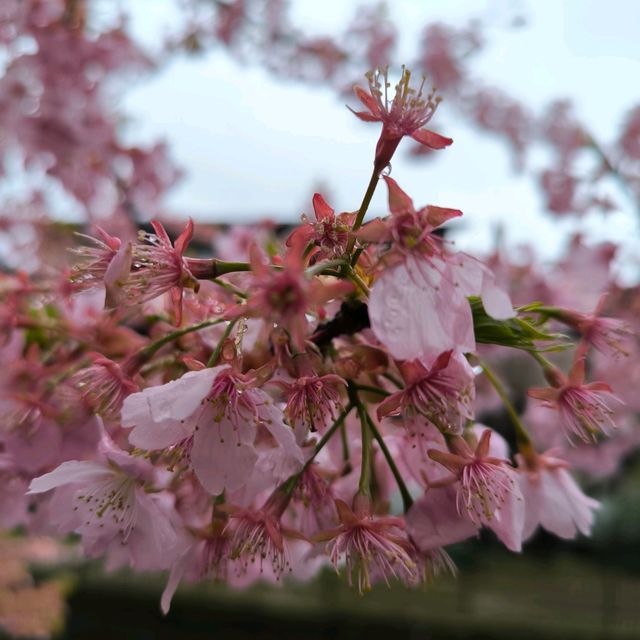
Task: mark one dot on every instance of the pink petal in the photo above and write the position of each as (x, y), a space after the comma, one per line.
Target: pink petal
(70, 472)
(433, 521)
(116, 275)
(475, 278)
(530, 488)
(508, 521)
(175, 400)
(496, 302)
(273, 419)
(152, 544)
(418, 313)
(365, 116)
(374, 231)
(183, 240)
(161, 232)
(439, 215)
(390, 404)
(399, 201)
(220, 461)
(160, 435)
(302, 235)
(368, 101)
(111, 241)
(175, 577)
(577, 373)
(598, 386)
(546, 394)
(565, 510)
(431, 139)
(322, 210)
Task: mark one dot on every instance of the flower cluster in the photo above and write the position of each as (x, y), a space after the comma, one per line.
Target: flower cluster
(264, 421)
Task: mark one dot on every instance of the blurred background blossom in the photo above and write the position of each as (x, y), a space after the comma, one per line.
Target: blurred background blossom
(233, 111)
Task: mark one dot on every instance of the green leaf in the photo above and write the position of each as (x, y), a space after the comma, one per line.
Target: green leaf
(518, 332)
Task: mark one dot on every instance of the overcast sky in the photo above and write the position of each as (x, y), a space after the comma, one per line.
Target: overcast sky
(256, 147)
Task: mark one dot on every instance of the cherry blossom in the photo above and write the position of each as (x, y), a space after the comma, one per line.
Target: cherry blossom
(553, 499)
(442, 395)
(418, 306)
(583, 409)
(487, 490)
(159, 267)
(214, 416)
(329, 234)
(372, 547)
(405, 115)
(106, 503)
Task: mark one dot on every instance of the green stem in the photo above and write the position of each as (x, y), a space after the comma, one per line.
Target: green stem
(321, 267)
(366, 201)
(327, 436)
(393, 380)
(230, 288)
(151, 349)
(346, 457)
(218, 350)
(369, 389)
(364, 484)
(542, 361)
(357, 280)
(356, 255)
(407, 500)
(290, 483)
(221, 268)
(522, 435)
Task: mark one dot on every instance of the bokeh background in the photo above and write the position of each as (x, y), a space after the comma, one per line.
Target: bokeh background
(235, 120)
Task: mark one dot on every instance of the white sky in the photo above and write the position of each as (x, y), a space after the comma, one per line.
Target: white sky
(255, 147)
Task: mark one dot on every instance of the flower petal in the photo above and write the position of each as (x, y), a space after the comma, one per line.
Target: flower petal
(322, 210)
(417, 312)
(221, 462)
(175, 400)
(399, 201)
(368, 101)
(431, 139)
(70, 472)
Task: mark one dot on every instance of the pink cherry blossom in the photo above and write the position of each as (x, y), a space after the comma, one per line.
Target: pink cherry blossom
(159, 267)
(105, 385)
(96, 258)
(313, 503)
(487, 490)
(213, 416)
(371, 547)
(286, 296)
(583, 410)
(233, 469)
(259, 535)
(553, 499)
(418, 306)
(405, 115)
(442, 395)
(609, 336)
(106, 503)
(329, 234)
(312, 402)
